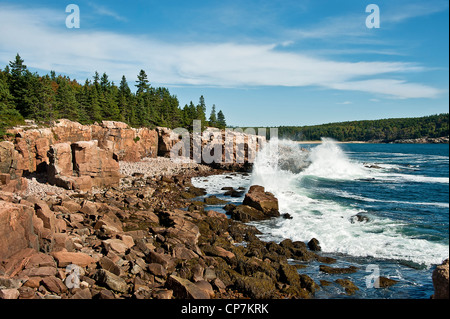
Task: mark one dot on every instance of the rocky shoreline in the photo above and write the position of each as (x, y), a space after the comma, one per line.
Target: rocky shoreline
(147, 238)
(152, 237)
(141, 231)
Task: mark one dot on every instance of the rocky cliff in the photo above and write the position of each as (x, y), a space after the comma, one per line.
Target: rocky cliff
(79, 157)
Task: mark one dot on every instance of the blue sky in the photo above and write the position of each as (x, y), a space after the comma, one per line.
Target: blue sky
(264, 63)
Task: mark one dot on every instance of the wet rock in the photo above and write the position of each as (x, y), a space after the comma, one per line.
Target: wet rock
(384, 282)
(349, 286)
(213, 200)
(263, 201)
(359, 218)
(441, 280)
(314, 245)
(335, 270)
(247, 214)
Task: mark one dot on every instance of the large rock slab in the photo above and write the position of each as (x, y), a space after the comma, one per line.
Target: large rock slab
(16, 229)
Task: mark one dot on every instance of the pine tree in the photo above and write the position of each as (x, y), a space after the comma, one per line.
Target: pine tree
(142, 83)
(47, 100)
(94, 108)
(213, 117)
(125, 102)
(66, 102)
(9, 116)
(18, 85)
(221, 123)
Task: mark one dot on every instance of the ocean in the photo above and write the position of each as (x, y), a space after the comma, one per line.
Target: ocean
(383, 208)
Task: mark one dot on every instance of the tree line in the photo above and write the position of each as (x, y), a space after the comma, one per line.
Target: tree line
(385, 130)
(27, 95)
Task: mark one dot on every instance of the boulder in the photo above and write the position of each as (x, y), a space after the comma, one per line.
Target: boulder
(60, 165)
(259, 286)
(54, 284)
(263, 201)
(113, 282)
(64, 258)
(185, 289)
(314, 245)
(16, 229)
(90, 160)
(441, 280)
(246, 213)
(9, 294)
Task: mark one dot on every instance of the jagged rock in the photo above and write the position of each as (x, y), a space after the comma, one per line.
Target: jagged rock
(314, 245)
(246, 214)
(185, 289)
(9, 294)
(54, 284)
(107, 264)
(104, 277)
(441, 280)
(263, 201)
(16, 229)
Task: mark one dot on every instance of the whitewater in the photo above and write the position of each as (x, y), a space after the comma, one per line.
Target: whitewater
(400, 190)
(330, 222)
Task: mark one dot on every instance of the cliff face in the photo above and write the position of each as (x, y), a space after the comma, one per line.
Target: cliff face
(78, 157)
(36, 151)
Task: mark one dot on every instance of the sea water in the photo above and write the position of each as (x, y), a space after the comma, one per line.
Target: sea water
(400, 189)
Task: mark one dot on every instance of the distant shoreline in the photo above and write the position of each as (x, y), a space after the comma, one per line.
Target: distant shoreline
(337, 142)
(423, 140)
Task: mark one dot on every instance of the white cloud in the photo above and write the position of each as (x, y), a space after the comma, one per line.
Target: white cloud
(79, 53)
(105, 11)
(400, 13)
(395, 88)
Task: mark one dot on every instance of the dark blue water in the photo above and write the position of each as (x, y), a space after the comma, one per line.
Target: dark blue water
(400, 189)
(408, 186)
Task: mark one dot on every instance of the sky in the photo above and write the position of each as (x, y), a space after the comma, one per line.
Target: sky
(263, 63)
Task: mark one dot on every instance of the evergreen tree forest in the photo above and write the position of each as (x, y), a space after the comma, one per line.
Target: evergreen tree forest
(385, 130)
(27, 95)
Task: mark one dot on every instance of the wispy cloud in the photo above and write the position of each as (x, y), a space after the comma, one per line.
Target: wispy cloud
(399, 13)
(105, 11)
(230, 64)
